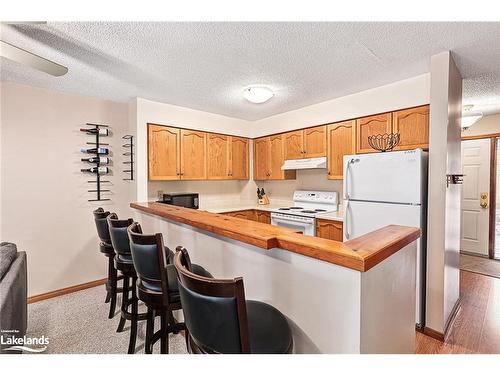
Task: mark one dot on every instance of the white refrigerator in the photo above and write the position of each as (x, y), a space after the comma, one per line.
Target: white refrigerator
(388, 188)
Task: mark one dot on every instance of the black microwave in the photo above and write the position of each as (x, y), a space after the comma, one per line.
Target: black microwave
(188, 200)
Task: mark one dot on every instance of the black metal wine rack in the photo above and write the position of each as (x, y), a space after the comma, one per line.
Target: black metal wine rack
(98, 190)
(130, 153)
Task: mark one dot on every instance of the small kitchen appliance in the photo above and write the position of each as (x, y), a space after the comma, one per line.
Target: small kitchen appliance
(188, 200)
(307, 205)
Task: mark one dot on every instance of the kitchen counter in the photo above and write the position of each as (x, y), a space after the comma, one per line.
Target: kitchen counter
(352, 297)
(336, 216)
(359, 254)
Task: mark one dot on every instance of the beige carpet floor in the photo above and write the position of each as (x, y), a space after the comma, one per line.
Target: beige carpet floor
(78, 323)
(484, 266)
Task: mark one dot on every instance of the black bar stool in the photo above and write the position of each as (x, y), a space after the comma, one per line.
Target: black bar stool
(124, 264)
(157, 285)
(106, 248)
(219, 319)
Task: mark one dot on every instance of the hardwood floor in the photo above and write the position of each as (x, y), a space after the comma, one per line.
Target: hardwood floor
(477, 325)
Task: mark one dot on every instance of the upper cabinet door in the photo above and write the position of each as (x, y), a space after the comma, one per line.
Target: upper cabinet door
(341, 141)
(371, 125)
(413, 127)
(315, 142)
(163, 153)
(217, 156)
(193, 155)
(277, 157)
(238, 155)
(293, 144)
(261, 158)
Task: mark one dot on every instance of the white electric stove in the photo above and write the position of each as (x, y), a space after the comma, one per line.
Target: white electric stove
(307, 205)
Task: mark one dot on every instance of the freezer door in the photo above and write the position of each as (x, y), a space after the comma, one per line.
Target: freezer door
(385, 177)
(363, 217)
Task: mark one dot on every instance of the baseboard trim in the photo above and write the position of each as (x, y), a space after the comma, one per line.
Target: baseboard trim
(447, 328)
(67, 290)
(433, 333)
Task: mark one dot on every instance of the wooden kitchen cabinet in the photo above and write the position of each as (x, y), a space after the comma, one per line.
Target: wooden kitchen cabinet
(261, 158)
(341, 140)
(243, 214)
(163, 153)
(293, 145)
(371, 125)
(413, 126)
(268, 159)
(314, 142)
(329, 229)
(193, 155)
(238, 158)
(263, 216)
(306, 143)
(218, 167)
(181, 154)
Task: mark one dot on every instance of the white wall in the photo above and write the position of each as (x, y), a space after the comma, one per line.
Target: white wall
(487, 125)
(443, 239)
(44, 194)
(401, 94)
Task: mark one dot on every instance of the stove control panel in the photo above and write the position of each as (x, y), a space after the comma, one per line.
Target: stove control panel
(326, 197)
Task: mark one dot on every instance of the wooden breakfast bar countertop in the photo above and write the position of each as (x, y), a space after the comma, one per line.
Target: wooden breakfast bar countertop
(360, 254)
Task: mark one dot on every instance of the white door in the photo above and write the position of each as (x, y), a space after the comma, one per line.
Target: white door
(385, 177)
(475, 196)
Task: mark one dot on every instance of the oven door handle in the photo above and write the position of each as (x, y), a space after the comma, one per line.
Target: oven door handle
(287, 220)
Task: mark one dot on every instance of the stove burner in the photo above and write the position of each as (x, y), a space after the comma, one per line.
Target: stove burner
(296, 208)
(284, 209)
(319, 210)
(308, 212)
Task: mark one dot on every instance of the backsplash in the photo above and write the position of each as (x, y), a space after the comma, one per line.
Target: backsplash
(307, 179)
(212, 193)
(224, 193)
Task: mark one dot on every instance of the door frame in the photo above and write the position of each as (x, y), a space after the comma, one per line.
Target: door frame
(493, 187)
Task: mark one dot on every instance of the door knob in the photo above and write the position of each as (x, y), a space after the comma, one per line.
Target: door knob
(483, 202)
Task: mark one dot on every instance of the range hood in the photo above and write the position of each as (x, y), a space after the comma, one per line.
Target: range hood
(311, 163)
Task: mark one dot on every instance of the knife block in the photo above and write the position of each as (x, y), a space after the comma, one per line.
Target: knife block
(264, 200)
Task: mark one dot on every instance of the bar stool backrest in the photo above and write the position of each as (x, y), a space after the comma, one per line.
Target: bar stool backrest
(214, 310)
(149, 258)
(118, 234)
(101, 223)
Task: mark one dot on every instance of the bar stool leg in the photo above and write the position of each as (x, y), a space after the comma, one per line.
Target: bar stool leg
(113, 292)
(133, 320)
(150, 322)
(121, 325)
(164, 333)
(109, 284)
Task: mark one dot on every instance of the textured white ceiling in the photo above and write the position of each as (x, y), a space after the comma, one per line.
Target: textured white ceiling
(205, 65)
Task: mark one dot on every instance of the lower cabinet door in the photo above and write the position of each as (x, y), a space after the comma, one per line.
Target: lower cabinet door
(329, 229)
(263, 217)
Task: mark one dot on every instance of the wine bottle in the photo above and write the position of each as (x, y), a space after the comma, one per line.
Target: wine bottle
(97, 159)
(101, 131)
(100, 150)
(99, 170)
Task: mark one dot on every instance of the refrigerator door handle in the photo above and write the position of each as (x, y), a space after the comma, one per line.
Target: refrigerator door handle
(347, 234)
(346, 185)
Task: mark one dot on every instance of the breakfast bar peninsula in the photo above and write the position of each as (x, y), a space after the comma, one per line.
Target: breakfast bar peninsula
(339, 297)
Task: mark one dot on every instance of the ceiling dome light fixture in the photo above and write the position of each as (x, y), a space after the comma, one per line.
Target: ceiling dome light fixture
(257, 94)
